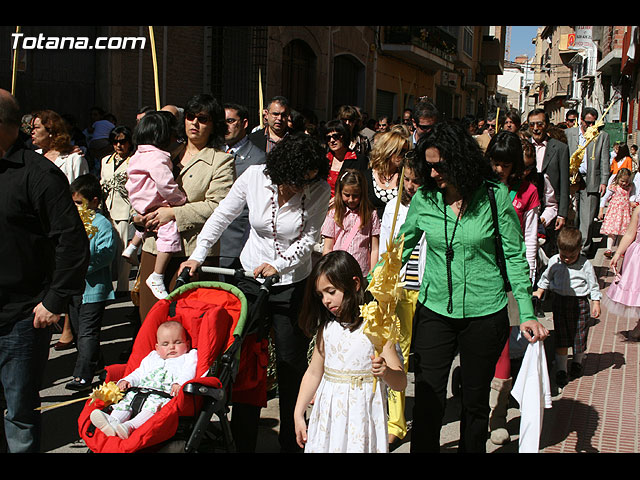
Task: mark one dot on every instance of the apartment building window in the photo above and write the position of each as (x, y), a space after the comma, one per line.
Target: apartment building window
(467, 41)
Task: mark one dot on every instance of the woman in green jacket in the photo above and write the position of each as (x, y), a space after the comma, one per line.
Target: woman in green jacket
(462, 305)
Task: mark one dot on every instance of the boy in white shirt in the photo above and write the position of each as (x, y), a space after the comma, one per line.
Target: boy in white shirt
(572, 281)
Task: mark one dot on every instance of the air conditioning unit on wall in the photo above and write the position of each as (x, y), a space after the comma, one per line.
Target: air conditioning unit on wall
(449, 79)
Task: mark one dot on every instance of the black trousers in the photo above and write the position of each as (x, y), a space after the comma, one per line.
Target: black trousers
(436, 340)
(86, 323)
(291, 347)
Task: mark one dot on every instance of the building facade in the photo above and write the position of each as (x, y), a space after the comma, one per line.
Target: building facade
(588, 66)
(381, 69)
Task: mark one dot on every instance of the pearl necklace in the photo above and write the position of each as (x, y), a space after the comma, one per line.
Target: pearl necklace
(274, 210)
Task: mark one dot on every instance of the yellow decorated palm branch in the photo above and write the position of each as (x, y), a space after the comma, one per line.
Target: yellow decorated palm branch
(381, 324)
(589, 135)
(108, 392)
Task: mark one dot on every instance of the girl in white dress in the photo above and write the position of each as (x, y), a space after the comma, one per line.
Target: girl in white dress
(349, 412)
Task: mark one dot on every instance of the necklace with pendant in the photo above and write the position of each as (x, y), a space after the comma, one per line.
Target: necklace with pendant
(449, 254)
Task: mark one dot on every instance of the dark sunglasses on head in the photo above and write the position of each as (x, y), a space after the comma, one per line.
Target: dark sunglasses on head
(201, 118)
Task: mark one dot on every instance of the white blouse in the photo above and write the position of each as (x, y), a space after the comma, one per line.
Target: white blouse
(72, 165)
(293, 237)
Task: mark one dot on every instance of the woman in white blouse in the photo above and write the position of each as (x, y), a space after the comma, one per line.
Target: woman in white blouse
(288, 199)
(49, 134)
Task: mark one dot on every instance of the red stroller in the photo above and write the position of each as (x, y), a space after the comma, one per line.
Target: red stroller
(231, 362)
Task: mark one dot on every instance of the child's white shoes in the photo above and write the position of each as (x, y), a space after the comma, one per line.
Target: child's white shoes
(155, 282)
(102, 421)
(122, 430)
(109, 425)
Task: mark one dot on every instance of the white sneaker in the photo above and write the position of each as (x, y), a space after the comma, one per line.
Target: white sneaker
(101, 421)
(155, 283)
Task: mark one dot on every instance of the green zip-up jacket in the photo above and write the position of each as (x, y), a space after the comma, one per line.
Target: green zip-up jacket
(478, 286)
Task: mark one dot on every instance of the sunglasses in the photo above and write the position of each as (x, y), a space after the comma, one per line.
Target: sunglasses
(425, 128)
(333, 136)
(122, 141)
(201, 118)
(438, 167)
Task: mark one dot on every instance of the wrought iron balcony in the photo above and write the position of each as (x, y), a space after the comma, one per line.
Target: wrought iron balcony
(437, 48)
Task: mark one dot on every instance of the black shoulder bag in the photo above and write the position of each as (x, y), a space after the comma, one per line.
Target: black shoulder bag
(502, 265)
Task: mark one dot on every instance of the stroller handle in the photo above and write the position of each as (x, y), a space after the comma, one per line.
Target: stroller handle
(185, 275)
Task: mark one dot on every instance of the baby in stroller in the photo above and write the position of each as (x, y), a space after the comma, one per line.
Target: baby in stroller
(159, 377)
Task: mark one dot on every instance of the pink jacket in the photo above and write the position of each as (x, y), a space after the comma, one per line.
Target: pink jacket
(150, 182)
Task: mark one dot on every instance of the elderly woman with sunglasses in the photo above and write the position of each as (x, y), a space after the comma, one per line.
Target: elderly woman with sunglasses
(113, 177)
(462, 304)
(205, 173)
(288, 199)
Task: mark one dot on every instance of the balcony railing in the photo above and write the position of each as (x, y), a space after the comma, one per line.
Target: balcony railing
(429, 38)
(560, 87)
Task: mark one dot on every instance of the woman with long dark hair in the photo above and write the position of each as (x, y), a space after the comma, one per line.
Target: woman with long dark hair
(462, 305)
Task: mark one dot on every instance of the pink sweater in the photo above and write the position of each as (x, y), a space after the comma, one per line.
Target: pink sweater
(150, 182)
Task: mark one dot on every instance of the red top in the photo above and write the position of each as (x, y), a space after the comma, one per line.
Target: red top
(333, 174)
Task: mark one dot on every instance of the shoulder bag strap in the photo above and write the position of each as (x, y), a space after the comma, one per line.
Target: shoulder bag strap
(498, 238)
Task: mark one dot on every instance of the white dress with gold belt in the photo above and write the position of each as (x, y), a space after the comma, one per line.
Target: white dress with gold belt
(347, 415)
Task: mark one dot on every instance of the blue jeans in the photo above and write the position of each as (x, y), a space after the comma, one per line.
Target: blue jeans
(24, 351)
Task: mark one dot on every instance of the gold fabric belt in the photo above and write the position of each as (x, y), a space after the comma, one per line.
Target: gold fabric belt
(354, 377)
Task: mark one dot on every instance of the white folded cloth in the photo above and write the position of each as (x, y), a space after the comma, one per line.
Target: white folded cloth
(533, 392)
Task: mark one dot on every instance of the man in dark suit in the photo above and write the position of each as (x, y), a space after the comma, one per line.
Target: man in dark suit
(552, 159)
(245, 154)
(277, 117)
(594, 170)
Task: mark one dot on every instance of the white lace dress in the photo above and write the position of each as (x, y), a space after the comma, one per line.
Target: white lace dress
(347, 415)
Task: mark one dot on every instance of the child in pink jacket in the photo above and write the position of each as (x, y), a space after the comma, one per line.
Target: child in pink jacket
(151, 184)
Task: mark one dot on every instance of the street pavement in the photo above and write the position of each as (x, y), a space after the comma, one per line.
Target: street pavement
(595, 413)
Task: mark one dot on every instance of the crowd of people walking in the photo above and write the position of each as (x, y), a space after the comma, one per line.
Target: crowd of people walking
(493, 218)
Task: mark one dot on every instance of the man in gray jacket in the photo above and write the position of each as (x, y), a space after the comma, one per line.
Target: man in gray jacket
(245, 154)
(595, 172)
(552, 159)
